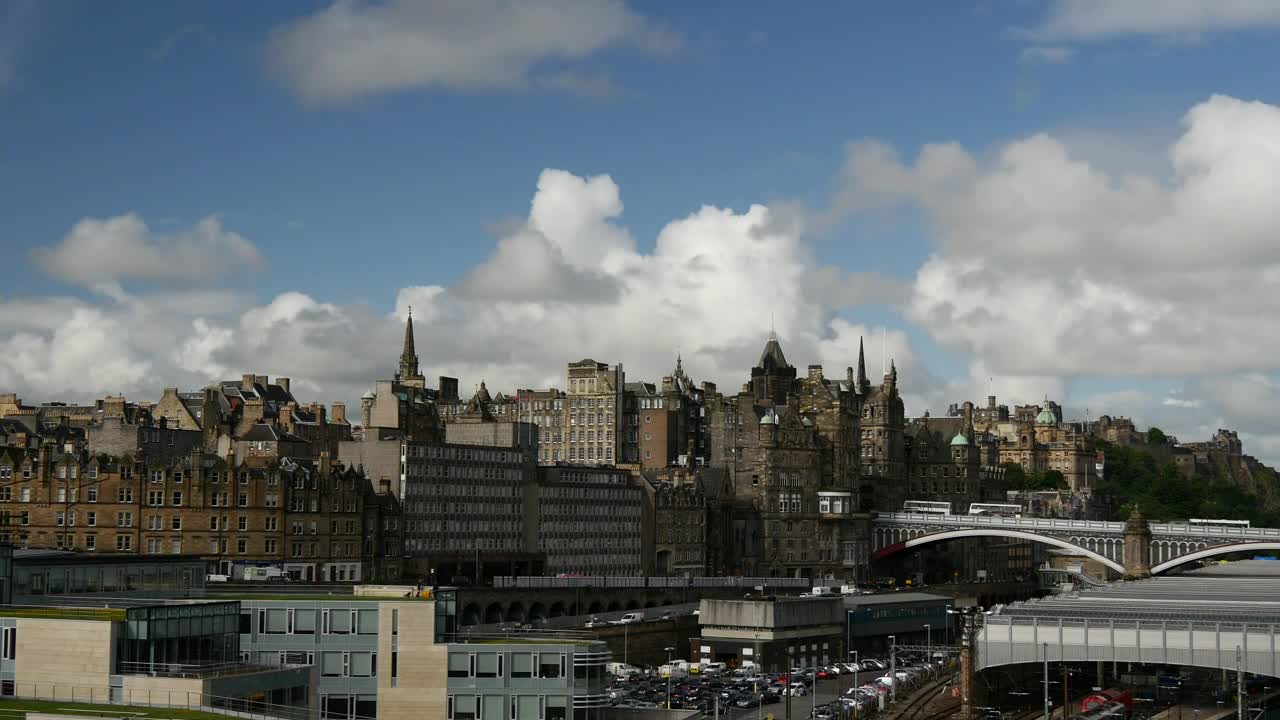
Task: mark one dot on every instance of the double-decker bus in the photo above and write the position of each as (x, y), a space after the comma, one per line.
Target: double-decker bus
(927, 506)
(1001, 509)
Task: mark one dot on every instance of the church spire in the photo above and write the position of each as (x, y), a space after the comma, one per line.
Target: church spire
(862, 366)
(408, 355)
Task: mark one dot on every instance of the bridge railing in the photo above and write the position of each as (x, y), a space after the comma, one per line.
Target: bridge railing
(1000, 521)
(1176, 529)
(664, 582)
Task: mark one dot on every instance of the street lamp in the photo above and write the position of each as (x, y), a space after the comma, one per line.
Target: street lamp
(928, 643)
(893, 669)
(669, 651)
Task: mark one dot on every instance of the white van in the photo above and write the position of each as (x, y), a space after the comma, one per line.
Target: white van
(629, 618)
(673, 671)
(714, 668)
(621, 670)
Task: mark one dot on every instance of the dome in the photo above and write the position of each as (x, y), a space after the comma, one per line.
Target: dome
(1046, 417)
(368, 395)
(960, 439)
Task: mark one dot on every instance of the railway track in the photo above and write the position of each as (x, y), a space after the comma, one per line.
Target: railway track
(918, 703)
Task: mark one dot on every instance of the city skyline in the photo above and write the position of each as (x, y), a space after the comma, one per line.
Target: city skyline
(1045, 234)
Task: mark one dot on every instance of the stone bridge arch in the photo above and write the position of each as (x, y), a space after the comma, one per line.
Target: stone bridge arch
(943, 536)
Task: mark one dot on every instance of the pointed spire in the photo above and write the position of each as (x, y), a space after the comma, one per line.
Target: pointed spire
(409, 353)
(862, 366)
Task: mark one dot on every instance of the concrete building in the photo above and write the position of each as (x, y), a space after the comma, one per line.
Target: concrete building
(776, 634)
(382, 652)
(592, 520)
(910, 618)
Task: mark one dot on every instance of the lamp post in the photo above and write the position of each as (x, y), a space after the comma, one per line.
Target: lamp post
(856, 670)
(1045, 651)
(928, 643)
(670, 650)
(893, 669)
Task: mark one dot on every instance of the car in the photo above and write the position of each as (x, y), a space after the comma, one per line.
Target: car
(797, 689)
(873, 664)
(824, 674)
(849, 667)
(596, 622)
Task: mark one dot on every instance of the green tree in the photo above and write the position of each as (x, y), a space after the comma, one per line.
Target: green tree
(1015, 476)
(1156, 436)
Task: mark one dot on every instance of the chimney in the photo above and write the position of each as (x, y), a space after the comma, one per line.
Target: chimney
(246, 381)
(286, 417)
(319, 412)
(325, 465)
(815, 373)
(283, 383)
(339, 414)
(384, 486)
(113, 406)
(252, 413)
(260, 379)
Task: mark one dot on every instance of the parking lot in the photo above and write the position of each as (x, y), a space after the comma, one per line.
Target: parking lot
(825, 693)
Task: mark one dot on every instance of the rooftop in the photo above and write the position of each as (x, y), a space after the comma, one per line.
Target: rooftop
(1201, 600)
(893, 598)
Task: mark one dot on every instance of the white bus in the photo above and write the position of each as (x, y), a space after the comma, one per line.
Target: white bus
(927, 506)
(1001, 509)
(1218, 523)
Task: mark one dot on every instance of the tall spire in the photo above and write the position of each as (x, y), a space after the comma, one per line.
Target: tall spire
(862, 366)
(409, 354)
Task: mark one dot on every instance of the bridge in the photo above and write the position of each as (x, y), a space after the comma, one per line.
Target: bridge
(1153, 548)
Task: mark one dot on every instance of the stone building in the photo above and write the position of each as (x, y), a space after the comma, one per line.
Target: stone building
(787, 443)
(681, 517)
(302, 516)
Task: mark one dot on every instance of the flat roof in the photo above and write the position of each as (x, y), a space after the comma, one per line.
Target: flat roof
(1252, 600)
(895, 597)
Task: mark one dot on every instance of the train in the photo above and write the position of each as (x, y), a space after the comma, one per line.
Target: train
(1113, 695)
(1105, 710)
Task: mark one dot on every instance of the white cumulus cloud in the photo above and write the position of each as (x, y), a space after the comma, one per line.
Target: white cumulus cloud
(102, 252)
(1090, 20)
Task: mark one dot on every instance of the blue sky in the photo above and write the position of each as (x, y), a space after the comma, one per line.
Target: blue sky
(355, 196)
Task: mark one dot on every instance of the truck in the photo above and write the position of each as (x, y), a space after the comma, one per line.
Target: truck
(629, 618)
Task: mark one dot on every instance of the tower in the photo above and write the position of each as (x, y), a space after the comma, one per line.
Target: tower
(1137, 546)
(408, 373)
(773, 378)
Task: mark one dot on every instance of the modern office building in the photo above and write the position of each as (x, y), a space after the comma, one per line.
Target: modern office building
(384, 652)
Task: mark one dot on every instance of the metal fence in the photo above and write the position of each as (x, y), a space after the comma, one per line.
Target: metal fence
(123, 697)
(659, 582)
(183, 670)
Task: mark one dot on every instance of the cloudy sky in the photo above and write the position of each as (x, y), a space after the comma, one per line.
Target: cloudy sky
(1073, 198)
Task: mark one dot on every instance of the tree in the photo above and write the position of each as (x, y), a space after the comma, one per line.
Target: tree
(1014, 475)
(1053, 480)
(1156, 436)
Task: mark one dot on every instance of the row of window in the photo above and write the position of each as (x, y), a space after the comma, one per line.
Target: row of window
(502, 707)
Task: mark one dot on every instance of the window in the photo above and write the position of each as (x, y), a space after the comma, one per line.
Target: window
(521, 665)
(124, 519)
(126, 495)
(269, 546)
(91, 518)
(25, 494)
(91, 494)
(242, 500)
(177, 499)
(551, 665)
(175, 522)
(459, 665)
(155, 497)
(59, 519)
(153, 522)
(90, 542)
(271, 523)
(304, 621)
(9, 644)
(242, 546)
(242, 523)
(488, 665)
(124, 542)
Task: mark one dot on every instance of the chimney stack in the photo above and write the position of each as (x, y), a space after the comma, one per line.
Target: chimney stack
(283, 382)
(246, 381)
(339, 413)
